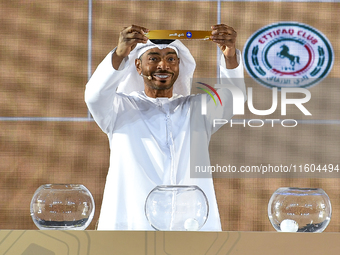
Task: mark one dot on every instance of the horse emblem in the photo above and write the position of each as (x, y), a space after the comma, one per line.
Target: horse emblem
(284, 53)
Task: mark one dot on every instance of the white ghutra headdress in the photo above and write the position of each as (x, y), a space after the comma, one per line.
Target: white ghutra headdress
(134, 82)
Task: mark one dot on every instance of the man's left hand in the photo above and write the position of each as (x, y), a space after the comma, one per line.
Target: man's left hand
(225, 37)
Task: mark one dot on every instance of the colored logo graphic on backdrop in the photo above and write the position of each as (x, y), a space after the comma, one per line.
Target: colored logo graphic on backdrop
(204, 101)
(287, 55)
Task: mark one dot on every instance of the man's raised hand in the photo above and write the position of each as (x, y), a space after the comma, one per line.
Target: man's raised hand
(225, 37)
(128, 39)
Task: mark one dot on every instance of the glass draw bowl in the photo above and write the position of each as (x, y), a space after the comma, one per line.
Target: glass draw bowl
(299, 210)
(176, 207)
(62, 206)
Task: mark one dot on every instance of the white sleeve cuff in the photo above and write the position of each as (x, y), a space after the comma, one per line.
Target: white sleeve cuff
(122, 66)
(232, 73)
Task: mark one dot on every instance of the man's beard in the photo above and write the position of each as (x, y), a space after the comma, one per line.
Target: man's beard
(156, 87)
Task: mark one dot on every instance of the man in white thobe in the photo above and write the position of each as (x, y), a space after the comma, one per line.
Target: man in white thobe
(140, 97)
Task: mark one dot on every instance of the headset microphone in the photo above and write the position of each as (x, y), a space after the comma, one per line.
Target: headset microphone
(148, 77)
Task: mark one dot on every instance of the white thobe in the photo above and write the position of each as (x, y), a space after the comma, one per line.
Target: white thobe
(149, 142)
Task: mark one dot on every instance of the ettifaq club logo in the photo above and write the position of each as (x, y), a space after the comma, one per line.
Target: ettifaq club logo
(288, 55)
(204, 101)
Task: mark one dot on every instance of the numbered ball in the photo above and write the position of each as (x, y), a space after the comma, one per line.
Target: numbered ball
(191, 224)
(289, 226)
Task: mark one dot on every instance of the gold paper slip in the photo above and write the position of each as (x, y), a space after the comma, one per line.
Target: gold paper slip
(179, 34)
